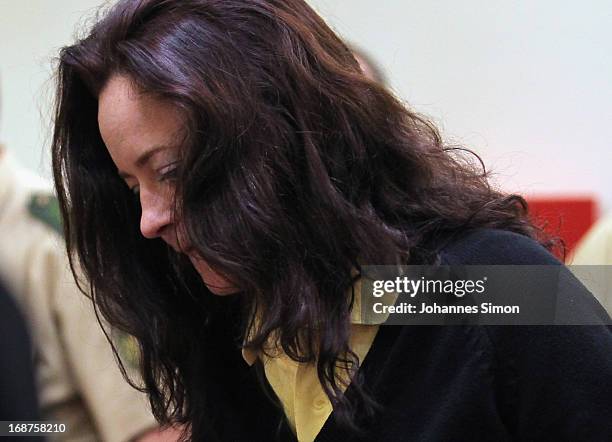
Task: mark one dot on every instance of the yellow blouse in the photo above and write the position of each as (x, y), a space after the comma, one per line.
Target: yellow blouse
(297, 385)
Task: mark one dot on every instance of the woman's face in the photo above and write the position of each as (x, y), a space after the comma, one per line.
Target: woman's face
(143, 135)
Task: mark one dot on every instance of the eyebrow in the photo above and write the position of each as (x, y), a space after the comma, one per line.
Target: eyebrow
(144, 159)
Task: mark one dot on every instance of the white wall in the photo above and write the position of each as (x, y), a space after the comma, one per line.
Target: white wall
(31, 33)
(527, 84)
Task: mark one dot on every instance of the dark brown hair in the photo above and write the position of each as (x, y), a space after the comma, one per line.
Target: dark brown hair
(296, 170)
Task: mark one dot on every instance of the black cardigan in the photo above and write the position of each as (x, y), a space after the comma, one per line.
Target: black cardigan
(454, 383)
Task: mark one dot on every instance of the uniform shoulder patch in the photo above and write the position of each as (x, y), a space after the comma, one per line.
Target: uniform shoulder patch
(45, 207)
(127, 348)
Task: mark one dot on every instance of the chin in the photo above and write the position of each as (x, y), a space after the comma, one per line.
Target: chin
(214, 281)
(221, 291)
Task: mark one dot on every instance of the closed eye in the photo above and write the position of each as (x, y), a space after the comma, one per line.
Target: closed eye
(168, 172)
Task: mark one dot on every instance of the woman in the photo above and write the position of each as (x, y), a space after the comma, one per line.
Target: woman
(224, 170)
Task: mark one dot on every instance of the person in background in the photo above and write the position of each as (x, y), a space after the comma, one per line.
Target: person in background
(595, 249)
(18, 399)
(79, 382)
(370, 68)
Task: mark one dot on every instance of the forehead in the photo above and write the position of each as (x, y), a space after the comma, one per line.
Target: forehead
(130, 120)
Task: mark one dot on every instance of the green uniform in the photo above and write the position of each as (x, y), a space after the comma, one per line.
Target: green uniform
(78, 378)
(595, 249)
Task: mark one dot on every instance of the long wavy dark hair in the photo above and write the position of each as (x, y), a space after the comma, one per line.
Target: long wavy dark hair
(295, 171)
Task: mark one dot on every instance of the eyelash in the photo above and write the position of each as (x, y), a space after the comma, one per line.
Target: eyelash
(169, 174)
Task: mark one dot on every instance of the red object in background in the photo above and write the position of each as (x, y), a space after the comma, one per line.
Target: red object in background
(567, 218)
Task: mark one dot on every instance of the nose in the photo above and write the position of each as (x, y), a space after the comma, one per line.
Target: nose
(156, 214)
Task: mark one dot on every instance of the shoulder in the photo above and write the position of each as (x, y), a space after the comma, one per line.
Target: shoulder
(548, 279)
(495, 247)
(28, 201)
(29, 228)
(43, 208)
(596, 246)
(37, 200)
